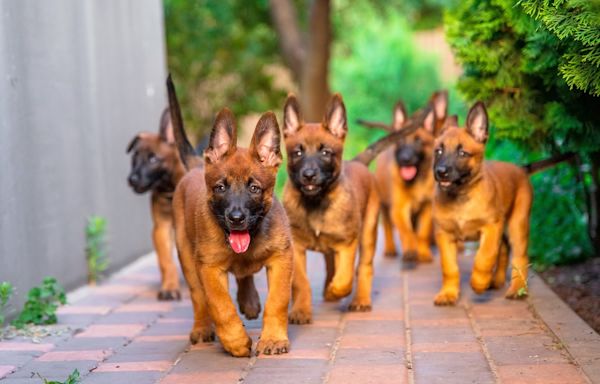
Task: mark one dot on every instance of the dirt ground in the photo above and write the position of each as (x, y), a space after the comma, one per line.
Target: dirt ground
(579, 286)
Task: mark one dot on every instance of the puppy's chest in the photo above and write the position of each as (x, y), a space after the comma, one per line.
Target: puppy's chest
(465, 222)
(321, 230)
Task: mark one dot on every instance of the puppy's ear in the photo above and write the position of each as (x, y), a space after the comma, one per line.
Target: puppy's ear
(399, 117)
(429, 122)
(450, 122)
(140, 136)
(439, 100)
(223, 137)
(477, 122)
(292, 118)
(165, 130)
(335, 117)
(265, 145)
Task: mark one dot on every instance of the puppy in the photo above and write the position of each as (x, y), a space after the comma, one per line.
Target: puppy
(227, 220)
(480, 200)
(155, 167)
(332, 206)
(405, 183)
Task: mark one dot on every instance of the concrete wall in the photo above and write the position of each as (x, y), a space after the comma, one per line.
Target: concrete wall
(78, 78)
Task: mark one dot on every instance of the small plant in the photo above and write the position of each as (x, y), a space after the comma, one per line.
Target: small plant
(42, 302)
(73, 378)
(6, 291)
(523, 291)
(95, 232)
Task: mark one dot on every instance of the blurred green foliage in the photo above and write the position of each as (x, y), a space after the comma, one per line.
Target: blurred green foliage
(73, 378)
(6, 291)
(95, 248)
(515, 64)
(220, 52)
(42, 303)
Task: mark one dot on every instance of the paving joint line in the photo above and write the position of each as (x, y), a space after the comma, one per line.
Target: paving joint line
(481, 342)
(407, 330)
(335, 346)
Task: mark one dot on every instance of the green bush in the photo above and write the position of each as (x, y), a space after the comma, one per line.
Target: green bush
(6, 291)
(41, 305)
(95, 236)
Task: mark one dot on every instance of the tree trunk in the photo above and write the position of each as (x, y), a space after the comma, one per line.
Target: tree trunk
(308, 61)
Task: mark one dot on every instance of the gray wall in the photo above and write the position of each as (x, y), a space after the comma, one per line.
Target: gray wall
(78, 78)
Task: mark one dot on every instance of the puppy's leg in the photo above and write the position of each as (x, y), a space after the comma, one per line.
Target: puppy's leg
(401, 217)
(424, 228)
(368, 242)
(518, 233)
(162, 236)
(202, 328)
(486, 256)
(390, 246)
(500, 271)
(247, 297)
(330, 269)
(341, 284)
(274, 337)
(301, 312)
(448, 295)
(229, 326)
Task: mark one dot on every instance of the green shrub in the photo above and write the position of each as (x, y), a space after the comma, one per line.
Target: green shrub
(6, 291)
(95, 233)
(73, 378)
(42, 302)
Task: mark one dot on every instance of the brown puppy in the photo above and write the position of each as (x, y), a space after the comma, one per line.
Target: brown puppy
(479, 200)
(405, 183)
(156, 167)
(332, 206)
(227, 220)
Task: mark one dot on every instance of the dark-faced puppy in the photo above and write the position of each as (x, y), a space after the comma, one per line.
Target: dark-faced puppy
(332, 206)
(156, 167)
(480, 200)
(227, 220)
(405, 183)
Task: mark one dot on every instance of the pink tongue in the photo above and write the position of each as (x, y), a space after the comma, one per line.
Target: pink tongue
(239, 241)
(408, 173)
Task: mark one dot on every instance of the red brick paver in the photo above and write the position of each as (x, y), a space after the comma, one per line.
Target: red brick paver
(119, 333)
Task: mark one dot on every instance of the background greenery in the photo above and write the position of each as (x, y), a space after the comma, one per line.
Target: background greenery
(524, 60)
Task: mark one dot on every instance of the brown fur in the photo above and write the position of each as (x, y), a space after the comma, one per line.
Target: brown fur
(493, 201)
(341, 221)
(406, 205)
(162, 148)
(206, 256)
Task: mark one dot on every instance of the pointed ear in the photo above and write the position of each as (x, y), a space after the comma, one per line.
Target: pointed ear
(477, 122)
(140, 136)
(439, 100)
(165, 130)
(399, 117)
(265, 145)
(335, 118)
(223, 137)
(292, 118)
(429, 122)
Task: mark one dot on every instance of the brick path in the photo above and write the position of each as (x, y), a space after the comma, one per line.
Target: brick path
(121, 334)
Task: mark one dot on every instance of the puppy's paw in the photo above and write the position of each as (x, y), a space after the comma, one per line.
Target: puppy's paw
(480, 282)
(207, 335)
(516, 291)
(299, 316)
(272, 347)
(335, 293)
(410, 256)
(358, 305)
(498, 281)
(424, 254)
(250, 308)
(391, 253)
(446, 297)
(169, 295)
(240, 347)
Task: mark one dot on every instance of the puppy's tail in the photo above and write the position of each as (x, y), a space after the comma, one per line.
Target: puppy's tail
(382, 144)
(375, 124)
(540, 165)
(188, 156)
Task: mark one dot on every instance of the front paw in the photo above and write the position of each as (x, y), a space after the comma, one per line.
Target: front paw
(240, 347)
(169, 295)
(250, 307)
(516, 291)
(446, 297)
(272, 347)
(358, 305)
(335, 293)
(480, 281)
(300, 316)
(424, 254)
(207, 335)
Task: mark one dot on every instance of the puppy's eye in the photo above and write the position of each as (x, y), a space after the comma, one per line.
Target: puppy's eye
(462, 153)
(152, 159)
(219, 188)
(254, 189)
(298, 153)
(439, 151)
(326, 152)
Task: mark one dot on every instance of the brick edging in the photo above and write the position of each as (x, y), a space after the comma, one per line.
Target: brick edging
(578, 338)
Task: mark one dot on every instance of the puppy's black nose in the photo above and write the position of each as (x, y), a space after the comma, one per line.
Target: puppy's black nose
(309, 174)
(441, 171)
(133, 178)
(236, 216)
